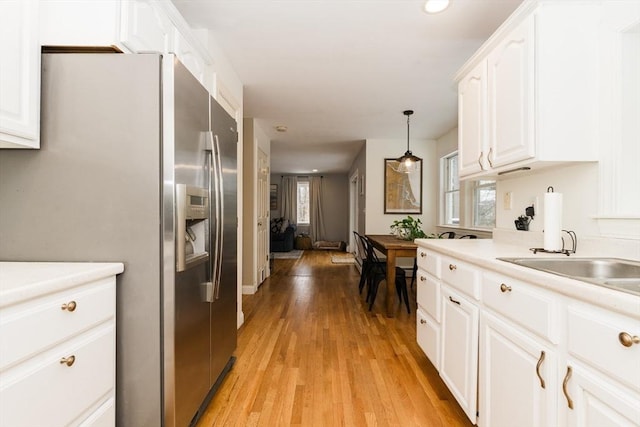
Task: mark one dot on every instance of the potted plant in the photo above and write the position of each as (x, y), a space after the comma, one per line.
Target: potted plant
(408, 228)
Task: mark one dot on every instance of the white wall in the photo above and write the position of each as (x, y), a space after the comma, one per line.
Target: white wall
(254, 138)
(578, 185)
(376, 151)
(359, 166)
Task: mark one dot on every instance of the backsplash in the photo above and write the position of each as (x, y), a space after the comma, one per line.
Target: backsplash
(587, 245)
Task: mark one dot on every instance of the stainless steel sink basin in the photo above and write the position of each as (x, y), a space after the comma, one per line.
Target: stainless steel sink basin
(620, 274)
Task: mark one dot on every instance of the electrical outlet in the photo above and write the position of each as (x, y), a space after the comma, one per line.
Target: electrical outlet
(507, 202)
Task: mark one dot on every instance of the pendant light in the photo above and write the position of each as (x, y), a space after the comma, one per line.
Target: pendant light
(408, 162)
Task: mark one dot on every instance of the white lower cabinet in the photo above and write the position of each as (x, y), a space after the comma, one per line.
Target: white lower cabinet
(459, 359)
(518, 380)
(601, 384)
(57, 344)
(592, 400)
(428, 334)
(513, 353)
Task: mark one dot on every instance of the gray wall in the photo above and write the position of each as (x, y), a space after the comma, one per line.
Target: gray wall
(336, 205)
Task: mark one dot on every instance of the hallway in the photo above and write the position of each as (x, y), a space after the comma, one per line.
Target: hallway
(310, 354)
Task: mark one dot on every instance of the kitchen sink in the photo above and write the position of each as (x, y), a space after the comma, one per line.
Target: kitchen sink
(615, 273)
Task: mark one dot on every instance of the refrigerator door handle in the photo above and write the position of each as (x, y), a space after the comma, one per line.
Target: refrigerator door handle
(213, 216)
(220, 212)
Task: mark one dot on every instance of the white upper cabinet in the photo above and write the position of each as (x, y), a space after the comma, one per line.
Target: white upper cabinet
(19, 74)
(144, 28)
(472, 137)
(510, 97)
(619, 99)
(527, 98)
(130, 26)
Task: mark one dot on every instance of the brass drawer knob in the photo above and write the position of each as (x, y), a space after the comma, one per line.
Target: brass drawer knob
(68, 360)
(505, 288)
(422, 278)
(70, 306)
(423, 254)
(422, 321)
(452, 267)
(627, 340)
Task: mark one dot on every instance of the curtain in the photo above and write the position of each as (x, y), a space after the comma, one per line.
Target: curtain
(316, 218)
(289, 190)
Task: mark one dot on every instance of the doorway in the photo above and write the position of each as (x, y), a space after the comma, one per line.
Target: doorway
(353, 211)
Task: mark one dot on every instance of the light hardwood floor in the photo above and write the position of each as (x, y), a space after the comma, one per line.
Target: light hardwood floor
(311, 354)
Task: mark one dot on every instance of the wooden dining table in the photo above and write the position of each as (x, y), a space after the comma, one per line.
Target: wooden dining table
(393, 248)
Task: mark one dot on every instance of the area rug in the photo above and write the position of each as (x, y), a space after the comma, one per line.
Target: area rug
(343, 259)
(294, 254)
(332, 246)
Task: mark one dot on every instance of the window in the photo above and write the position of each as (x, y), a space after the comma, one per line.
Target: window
(465, 204)
(451, 190)
(484, 204)
(303, 202)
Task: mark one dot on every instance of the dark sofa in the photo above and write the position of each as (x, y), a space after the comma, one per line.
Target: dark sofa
(282, 241)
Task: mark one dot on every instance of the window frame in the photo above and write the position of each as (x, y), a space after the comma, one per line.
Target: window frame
(468, 199)
(478, 186)
(305, 183)
(445, 184)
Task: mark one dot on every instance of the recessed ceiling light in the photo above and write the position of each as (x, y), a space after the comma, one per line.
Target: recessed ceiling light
(281, 128)
(435, 6)
(314, 170)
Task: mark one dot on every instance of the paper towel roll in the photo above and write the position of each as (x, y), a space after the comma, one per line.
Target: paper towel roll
(552, 221)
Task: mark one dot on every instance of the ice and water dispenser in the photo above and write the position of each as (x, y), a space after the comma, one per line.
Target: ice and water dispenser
(192, 224)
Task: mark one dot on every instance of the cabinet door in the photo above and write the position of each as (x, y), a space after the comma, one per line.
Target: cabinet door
(189, 56)
(597, 402)
(517, 377)
(459, 359)
(472, 138)
(511, 97)
(428, 337)
(19, 74)
(145, 28)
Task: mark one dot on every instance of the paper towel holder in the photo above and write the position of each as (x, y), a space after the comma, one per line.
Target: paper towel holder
(567, 252)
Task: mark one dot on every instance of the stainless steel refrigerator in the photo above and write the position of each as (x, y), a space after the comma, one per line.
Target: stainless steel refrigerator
(137, 164)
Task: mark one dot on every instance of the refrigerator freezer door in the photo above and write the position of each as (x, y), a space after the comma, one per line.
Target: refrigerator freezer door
(191, 309)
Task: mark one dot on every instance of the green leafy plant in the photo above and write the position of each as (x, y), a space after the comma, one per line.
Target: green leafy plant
(408, 228)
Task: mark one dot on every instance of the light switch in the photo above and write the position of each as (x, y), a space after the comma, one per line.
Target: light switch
(508, 201)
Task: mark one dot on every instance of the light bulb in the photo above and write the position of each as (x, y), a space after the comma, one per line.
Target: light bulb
(435, 6)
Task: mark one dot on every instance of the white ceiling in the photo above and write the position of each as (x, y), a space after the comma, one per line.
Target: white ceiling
(337, 72)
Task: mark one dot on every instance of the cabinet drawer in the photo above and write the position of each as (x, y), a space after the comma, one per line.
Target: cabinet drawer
(530, 307)
(46, 388)
(428, 294)
(46, 324)
(428, 336)
(594, 337)
(461, 276)
(104, 416)
(428, 261)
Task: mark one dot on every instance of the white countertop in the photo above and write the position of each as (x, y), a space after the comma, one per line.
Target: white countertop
(20, 281)
(483, 253)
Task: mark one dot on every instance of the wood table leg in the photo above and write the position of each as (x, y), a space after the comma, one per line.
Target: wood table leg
(391, 281)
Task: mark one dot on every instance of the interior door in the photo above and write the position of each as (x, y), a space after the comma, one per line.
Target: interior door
(263, 217)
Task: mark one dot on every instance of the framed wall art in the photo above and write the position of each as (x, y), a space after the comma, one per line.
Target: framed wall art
(402, 190)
